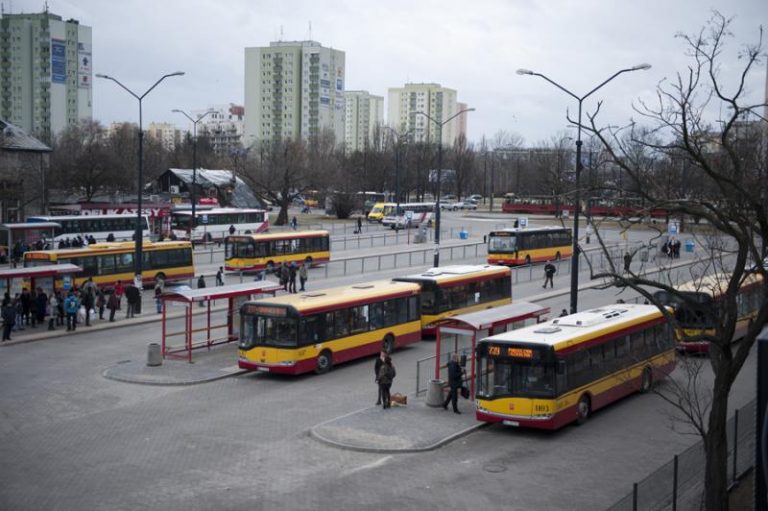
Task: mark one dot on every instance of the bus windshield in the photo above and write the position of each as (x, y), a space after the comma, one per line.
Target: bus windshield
(701, 313)
(501, 244)
(268, 331)
(528, 372)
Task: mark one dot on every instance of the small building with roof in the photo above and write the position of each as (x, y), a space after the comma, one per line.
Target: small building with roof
(224, 185)
(24, 166)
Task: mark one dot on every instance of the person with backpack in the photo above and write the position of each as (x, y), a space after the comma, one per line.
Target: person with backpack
(71, 306)
(549, 274)
(386, 377)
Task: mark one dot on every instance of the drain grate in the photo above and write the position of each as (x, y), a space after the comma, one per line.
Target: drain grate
(494, 468)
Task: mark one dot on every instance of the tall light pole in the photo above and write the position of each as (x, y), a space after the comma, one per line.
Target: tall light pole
(398, 164)
(440, 173)
(139, 230)
(193, 193)
(577, 206)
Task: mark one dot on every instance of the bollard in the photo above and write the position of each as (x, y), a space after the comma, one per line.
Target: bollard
(435, 393)
(154, 356)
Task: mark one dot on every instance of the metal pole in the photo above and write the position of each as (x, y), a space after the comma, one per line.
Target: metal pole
(577, 210)
(674, 485)
(139, 241)
(436, 262)
(193, 194)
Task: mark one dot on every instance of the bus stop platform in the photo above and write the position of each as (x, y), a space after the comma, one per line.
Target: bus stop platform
(219, 362)
(400, 429)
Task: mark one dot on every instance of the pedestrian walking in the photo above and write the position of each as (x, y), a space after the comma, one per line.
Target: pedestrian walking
(455, 382)
(549, 274)
(294, 223)
(71, 306)
(627, 261)
(112, 305)
(387, 375)
(359, 225)
(9, 318)
(220, 276)
(303, 275)
(201, 285)
(376, 368)
(292, 278)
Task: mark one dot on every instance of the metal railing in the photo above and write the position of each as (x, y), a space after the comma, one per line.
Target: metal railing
(679, 484)
(425, 368)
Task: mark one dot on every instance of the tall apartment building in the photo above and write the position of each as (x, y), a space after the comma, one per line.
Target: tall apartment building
(293, 89)
(223, 127)
(45, 78)
(363, 119)
(432, 99)
(168, 134)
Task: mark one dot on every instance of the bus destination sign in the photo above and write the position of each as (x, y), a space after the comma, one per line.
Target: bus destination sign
(495, 350)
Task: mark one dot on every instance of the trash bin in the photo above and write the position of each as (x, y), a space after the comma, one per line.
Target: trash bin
(689, 246)
(154, 356)
(644, 256)
(463, 235)
(435, 393)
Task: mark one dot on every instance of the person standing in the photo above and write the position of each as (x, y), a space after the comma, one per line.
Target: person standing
(112, 305)
(53, 311)
(101, 302)
(201, 285)
(359, 225)
(292, 278)
(88, 303)
(284, 274)
(549, 274)
(25, 305)
(303, 275)
(158, 294)
(9, 318)
(627, 261)
(132, 296)
(376, 368)
(71, 306)
(220, 276)
(386, 377)
(294, 223)
(232, 230)
(455, 381)
(563, 313)
(119, 290)
(42, 305)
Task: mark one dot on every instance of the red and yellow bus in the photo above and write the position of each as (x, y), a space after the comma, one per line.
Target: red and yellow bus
(554, 373)
(108, 263)
(266, 251)
(299, 333)
(525, 246)
(450, 290)
(697, 303)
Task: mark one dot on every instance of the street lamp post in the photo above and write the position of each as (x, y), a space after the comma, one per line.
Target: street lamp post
(138, 234)
(193, 193)
(577, 206)
(440, 174)
(398, 164)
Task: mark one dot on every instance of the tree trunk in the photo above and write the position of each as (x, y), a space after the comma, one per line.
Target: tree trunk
(716, 447)
(282, 217)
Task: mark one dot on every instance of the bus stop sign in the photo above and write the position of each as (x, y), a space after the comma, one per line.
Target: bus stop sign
(204, 219)
(67, 282)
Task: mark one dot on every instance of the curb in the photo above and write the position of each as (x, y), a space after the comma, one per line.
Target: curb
(127, 379)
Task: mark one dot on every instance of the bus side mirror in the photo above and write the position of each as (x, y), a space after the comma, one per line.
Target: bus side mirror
(463, 360)
(561, 367)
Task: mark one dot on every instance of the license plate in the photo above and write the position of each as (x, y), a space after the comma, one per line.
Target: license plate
(511, 423)
(263, 369)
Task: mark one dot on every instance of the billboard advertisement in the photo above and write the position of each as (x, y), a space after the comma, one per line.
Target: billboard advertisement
(58, 61)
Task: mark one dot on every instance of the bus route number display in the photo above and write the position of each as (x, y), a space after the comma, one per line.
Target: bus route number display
(265, 310)
(499, 351)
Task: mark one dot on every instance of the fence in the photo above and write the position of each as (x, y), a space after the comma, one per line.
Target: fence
(425, 368)
(679, 484)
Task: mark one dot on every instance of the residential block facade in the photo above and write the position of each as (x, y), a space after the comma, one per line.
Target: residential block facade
(434, 100)
(293, 89)
(223, 127)
(45, 72)
(364, 119)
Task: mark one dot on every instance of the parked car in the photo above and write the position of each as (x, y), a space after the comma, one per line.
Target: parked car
(447, 204)
(463, 205)
(476, 197)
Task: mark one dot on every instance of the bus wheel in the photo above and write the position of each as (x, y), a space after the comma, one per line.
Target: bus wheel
(557, 256)
(647, 381)
(389, 343)
(308, 261)
(583, 410)
(527, 260)
(324, 362)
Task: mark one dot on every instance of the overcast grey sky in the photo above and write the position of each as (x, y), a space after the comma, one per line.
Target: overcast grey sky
(471, 46)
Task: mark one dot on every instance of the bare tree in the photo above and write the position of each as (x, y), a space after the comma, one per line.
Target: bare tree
(728, 165)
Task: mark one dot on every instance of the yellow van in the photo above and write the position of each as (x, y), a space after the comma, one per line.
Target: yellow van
(377, 211)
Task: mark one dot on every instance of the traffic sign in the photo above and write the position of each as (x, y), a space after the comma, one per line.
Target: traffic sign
(204, 219)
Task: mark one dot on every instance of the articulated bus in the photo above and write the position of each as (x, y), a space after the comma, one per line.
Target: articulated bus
(214, 224)
(696, 307)
(313, 331)
(410, 214)
(121, 227)
(266, 251)
(108, 263)
(526, 246)
(451, 290)
(550, 374)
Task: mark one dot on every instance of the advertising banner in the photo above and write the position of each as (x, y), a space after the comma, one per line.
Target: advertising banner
(58, 61)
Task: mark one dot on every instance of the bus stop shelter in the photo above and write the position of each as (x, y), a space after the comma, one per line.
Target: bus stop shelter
(208, 333)
(458, 330)
(13, 280)
(28, 232)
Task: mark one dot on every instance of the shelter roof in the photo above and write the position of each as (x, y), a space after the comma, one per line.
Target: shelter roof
(13, 138)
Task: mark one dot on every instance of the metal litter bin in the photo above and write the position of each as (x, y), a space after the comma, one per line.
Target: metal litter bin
(435, 393)
(463, 235)
(154, 355)
(689, 246)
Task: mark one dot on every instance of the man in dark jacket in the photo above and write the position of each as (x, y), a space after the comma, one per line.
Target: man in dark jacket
(549, 273)
(9, 318)
(292, 277)
(455, 381)
(132, 296)
(88, 302)
(376, 369)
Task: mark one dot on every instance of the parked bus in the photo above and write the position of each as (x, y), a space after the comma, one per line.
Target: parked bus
(623, 207)
(108, 263)
(411, 214)
(313, 331)
(551, 374)
(266, 251)
(121, 227)
(450, 290)
(697, 305)
(214, 224)
(526, 246)
(377, 211)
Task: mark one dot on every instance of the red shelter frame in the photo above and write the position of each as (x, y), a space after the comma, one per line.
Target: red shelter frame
(207, 296)
(495, 320)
